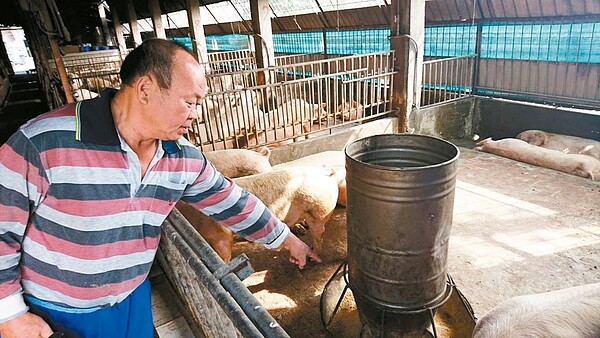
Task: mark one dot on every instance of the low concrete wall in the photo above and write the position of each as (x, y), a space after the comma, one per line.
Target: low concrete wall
(504, 118)
(451, 120)
(336, 141)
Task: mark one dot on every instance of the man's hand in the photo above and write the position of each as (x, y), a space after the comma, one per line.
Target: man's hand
(299, 251)
(26, 325)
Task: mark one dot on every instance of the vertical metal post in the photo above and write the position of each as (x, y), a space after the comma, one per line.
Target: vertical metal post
(475, 80)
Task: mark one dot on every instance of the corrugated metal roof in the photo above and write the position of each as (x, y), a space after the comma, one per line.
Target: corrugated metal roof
(335, 17)
(436, 11)
(463, 10)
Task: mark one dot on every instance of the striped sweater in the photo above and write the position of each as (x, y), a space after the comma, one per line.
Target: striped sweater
(79, 227)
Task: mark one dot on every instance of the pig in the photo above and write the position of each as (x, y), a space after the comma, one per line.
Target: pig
(289, 120)
(233, 113)
(297, 194)
(565, 143)
(83, 94)
(294, 195)
(220, 238)
(567, 313)
(240, 162)
(76, 82)
(327, 159)
(516, 149)
(98, 83)
(351, 110)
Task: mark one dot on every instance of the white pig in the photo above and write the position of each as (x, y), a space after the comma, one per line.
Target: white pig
(565, 143)
(240, 162)
(334, 159)
(568, 313)
(294, 195)
(575, 164)
(351, 110)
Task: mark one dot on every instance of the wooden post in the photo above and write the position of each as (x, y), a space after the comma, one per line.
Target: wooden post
(119, 31)
(133, 24)
(102, 14)
(197, 32)
(407, 41)
(263, 44)
(62, 72)
(58, 60)
(263, 33)
(159, 29)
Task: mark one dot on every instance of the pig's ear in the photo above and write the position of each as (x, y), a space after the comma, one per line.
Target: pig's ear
(265, 151)
(329, 171)
(482, 142)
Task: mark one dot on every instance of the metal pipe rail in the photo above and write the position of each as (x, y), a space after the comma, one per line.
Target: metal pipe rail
(447, 79)
(246, 313)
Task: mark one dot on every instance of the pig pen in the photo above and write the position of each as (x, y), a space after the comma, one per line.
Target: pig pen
(517, 229)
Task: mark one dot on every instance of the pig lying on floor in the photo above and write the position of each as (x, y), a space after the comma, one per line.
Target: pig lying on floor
(294, 195)
(565, 143)
(567, 313)
(575, 164)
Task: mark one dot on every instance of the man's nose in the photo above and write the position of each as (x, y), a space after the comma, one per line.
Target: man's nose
(195, 112)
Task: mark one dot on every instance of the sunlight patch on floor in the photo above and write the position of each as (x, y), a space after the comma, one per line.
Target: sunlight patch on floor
(482, 253)
(273, 300)
(504, 199)
(256, 278)
(541, 242)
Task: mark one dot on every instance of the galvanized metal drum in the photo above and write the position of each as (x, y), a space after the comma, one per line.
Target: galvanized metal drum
(399, 215)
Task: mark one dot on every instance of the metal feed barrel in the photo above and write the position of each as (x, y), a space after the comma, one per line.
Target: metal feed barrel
(399, 216)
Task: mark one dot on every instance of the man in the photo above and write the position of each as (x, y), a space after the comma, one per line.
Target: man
(85, 188)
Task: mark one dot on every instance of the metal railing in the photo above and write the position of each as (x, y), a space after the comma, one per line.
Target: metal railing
(91, 72)
(206, 284)
(447, 79)
(280, 104)
(230, 61)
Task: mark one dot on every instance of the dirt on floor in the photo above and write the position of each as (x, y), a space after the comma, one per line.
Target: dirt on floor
(517, 229)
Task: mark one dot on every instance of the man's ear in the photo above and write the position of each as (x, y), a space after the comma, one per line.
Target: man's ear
(143, 87)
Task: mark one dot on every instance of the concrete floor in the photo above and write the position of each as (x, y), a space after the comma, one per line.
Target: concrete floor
(517, 229)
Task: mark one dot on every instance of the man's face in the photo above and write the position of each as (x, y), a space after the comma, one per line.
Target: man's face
(173, 110)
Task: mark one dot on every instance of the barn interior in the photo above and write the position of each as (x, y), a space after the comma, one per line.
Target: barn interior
(344, 70)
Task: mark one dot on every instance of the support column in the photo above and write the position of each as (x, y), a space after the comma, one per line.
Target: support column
(477, 60)
(56, 55)
(407, 41)
(119, 31)
(102, 14)
(159, 29)
(197, 32)
(133, 24)
(263, 38)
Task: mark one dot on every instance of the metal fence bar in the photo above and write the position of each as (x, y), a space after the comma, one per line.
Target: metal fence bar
(447, 79)
(247, 314)
(287, 108)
